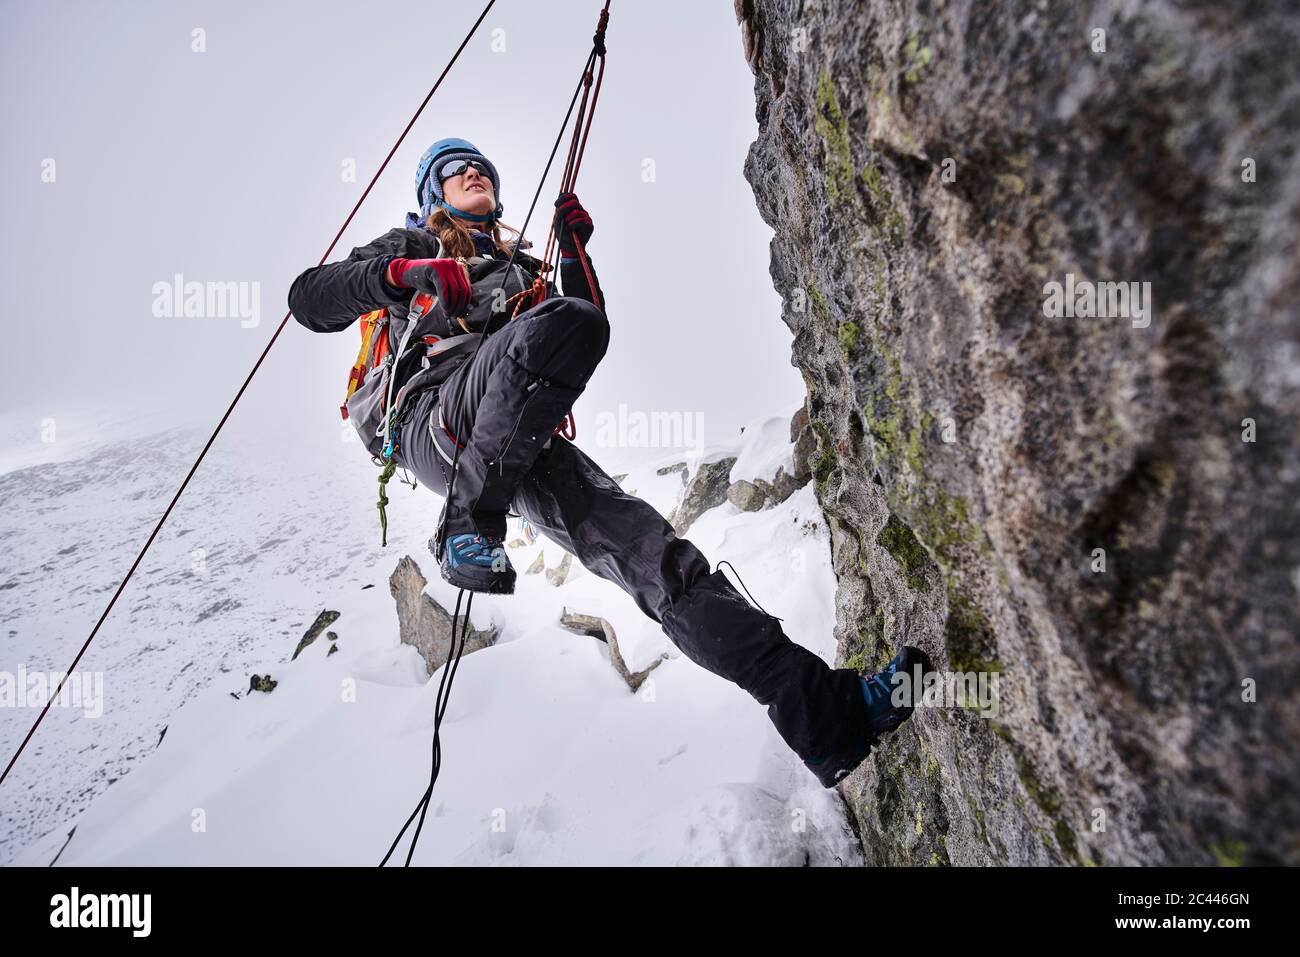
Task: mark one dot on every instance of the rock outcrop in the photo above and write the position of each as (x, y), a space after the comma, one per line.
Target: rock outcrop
(422, 622)
(558, 575)
(600, 629)
(1101, 511)
(706, 489)
(323, 621)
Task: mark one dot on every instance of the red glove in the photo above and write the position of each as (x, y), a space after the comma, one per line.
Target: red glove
(571, 220)
(445, 278)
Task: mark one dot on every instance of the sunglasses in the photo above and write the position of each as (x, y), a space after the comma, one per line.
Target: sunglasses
(458, 166)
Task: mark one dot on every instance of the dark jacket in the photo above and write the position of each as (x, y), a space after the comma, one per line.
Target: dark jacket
(331, 297)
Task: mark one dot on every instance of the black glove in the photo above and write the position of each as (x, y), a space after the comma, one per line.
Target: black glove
(571, 220)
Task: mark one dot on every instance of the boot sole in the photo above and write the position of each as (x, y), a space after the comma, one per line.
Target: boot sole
(490, 583)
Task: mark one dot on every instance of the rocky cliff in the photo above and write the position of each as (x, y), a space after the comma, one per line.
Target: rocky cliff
(1094, 502)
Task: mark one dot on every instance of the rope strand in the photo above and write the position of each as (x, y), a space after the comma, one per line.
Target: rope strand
(439, 709)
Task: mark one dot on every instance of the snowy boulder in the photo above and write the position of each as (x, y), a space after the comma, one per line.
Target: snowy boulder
(780, 488)
(783, 485)
(262, 683)
(747, 496)
(423, 623)
(707, 489)
(678, 467)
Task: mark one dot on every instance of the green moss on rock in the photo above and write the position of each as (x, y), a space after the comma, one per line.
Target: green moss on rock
(916, 58)
(819, 303)
(1229, 853)
(884, 414)
(885, 218)
(830, 126)
(1065, 840)
(946, 525)
(969, 639)
(848, 335)
(899, 540)
(1048, 800)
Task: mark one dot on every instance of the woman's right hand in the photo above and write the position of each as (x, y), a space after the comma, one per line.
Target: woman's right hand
(448, 279)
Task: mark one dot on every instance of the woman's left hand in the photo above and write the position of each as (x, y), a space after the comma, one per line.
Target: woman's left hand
(571, 221)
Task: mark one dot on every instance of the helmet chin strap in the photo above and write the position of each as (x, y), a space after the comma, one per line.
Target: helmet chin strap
(472, 217)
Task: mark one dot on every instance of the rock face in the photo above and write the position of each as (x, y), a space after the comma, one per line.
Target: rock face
(805, 446)
(423, 623)
(1101, 511)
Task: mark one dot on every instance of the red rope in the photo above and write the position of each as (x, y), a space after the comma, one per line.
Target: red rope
(535, 294)
(578, 146)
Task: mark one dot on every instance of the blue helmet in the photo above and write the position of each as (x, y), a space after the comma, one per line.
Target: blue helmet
(428, 187)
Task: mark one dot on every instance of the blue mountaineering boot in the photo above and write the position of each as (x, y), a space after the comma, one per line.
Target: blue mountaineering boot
(881, 714)
(478, 563)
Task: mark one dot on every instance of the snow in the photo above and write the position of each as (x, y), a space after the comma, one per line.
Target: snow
(548, 758)
(766, 448)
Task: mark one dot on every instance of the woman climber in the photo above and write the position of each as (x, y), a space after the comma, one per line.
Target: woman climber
(482, 393)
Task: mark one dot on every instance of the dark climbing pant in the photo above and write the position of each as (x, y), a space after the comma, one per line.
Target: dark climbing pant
(511, 461)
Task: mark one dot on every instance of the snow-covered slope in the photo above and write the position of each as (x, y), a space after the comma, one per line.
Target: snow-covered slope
(548, 758)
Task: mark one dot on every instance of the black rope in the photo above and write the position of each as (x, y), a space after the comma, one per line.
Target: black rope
(440, 707)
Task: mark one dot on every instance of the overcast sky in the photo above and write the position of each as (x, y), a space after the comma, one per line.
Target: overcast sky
(227, 165)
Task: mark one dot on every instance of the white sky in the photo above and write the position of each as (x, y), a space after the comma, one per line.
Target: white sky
(225, 166)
